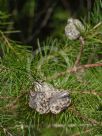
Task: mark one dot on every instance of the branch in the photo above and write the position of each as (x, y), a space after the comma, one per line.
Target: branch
(13, 103)
(77, 62)
(83, 117)
(93, 92)
(6, 132)
(6, 97)
(74, 125)
(74, 70)
(43, 22)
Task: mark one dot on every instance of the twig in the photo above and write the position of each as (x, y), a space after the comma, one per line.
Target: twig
(6, 41)
(6, 132)
(83, 117)
(55, 126)
(74, 70)
(93, 92)
(77, 62)
(44, 22)
(69, 125)
(6, 97)
(12, 104)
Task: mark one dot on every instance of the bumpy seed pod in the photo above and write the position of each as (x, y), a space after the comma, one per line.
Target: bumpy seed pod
(74, 28)
(45, 98)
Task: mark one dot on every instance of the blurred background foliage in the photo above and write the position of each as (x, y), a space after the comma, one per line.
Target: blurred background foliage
(33, 19)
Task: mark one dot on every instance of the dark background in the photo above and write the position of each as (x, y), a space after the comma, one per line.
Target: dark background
(39, 19)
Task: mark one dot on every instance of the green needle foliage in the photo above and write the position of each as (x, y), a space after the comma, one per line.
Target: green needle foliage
(52, 62)
(19, 68)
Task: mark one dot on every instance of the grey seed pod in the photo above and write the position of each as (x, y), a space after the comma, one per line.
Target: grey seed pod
(74, 28)
(39, 102)
(46, 98)
(59, 102)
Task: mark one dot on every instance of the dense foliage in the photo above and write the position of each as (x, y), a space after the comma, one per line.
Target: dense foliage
(53, 61)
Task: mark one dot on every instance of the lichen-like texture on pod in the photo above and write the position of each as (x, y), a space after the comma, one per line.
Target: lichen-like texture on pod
(74, 28)
(45, 98)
